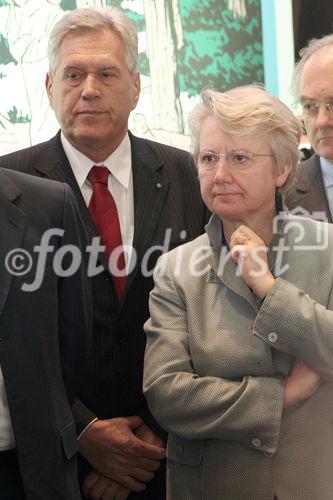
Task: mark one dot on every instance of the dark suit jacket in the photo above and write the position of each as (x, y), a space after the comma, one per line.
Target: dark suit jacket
(308, 190)
(43, 334)
(166, 201)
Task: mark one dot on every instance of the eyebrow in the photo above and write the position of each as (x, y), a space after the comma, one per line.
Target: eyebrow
(82, 67)
(307, 98)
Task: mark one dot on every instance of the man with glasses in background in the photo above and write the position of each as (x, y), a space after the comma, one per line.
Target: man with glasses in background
(313, 88)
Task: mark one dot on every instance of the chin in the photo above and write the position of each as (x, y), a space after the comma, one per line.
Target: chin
(327, 152)
(227, 214)
(226, 210)
(87, 137)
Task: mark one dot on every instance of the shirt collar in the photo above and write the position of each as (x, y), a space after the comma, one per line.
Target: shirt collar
(119, 162)
(327, 172)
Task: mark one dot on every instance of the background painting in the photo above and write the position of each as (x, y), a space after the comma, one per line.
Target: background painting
(184, 46)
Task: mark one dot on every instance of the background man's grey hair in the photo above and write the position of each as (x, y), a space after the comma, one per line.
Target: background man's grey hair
(91, 20)
(313, 46)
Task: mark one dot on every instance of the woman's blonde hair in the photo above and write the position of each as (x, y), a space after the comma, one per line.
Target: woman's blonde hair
(251, 111)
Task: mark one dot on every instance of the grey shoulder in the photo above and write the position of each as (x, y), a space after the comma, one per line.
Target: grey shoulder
(311, 230)
(187, 249)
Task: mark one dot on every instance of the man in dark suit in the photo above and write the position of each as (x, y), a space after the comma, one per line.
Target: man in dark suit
(93, 84)
(44, 325)
(313, 88)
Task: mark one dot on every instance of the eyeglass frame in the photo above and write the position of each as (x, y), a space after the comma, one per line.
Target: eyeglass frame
(328, 102)
(225, 155)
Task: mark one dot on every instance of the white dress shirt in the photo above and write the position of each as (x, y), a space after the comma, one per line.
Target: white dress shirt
(120, 183)
(327, 174)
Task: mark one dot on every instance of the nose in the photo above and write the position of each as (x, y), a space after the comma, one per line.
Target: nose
(222, 173)
(325, 117)
(90, 88)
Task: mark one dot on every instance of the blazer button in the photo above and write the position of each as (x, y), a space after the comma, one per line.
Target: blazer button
(256, 442)
(180, 451)
(272, 337)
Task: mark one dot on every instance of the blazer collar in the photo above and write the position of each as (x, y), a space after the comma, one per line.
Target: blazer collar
(225, 270)
(12, 226)
(8, 189)
(310, 187)
(306, 173)
(53, 163)
(222, 267)
(50, 157)
(150, 184)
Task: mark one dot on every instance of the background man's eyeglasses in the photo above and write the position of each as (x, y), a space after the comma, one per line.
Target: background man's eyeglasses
(311, 107)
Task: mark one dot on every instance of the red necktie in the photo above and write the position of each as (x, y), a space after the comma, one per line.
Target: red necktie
(103, 211)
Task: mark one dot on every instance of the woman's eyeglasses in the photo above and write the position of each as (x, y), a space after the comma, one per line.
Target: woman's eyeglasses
(235, 159)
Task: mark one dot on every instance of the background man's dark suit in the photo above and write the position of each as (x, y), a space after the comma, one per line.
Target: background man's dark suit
(166, 196)
(308, 190)
(43, 335)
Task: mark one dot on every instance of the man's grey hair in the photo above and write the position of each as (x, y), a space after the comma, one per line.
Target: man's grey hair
(311, 48)
(94, 19)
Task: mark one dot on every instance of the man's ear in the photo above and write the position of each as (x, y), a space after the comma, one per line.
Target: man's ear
(136, 88)
(49, 88)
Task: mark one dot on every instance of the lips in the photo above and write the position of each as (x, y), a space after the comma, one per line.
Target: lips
(225, 194)
(90, 112)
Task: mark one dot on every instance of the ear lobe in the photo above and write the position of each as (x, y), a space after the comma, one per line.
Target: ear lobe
(48, 86)
(136, 89)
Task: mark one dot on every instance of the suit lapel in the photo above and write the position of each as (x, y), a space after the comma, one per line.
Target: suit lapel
(12, 226)
(224, 269)
(309, 182)
(53, 164)
(150, 185)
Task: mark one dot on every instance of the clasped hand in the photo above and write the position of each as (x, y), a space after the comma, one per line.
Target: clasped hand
(125, 451)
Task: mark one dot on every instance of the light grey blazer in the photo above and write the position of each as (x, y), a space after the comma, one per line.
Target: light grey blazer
(215, 362)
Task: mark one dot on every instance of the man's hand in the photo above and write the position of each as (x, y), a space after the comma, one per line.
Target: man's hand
(112, 448)
(301, 384)
(250, 253)
(147, 435)
(97, 487)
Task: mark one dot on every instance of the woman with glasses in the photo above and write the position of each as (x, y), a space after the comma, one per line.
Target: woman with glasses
(239, 357)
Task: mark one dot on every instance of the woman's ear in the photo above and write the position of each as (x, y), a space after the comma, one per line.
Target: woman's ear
(281, 177)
